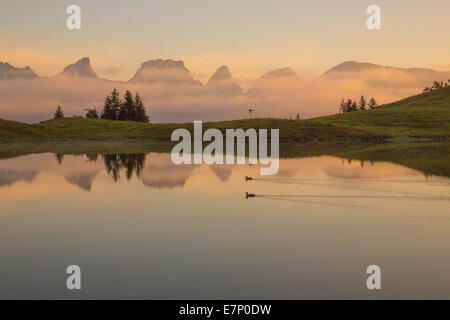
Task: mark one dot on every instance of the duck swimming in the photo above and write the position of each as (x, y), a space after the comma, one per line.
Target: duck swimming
(249, 195)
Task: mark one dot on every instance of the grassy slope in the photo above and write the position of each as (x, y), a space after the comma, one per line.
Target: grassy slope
(414, 132)
(423, 116)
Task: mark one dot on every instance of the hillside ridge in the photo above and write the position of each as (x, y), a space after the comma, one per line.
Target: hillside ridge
(424, 116)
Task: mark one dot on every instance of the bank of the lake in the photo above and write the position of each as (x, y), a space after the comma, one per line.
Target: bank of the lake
(413, 132)
(421, 117)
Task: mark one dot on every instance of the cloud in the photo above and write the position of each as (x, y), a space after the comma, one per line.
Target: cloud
(35, 100)
(110, 71)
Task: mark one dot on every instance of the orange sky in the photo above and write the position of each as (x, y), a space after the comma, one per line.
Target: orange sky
(250, 37)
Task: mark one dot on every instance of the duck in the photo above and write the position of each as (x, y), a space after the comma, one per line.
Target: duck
(249, 195)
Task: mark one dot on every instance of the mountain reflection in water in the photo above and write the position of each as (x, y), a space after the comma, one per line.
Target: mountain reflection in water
(186, 231)
(157, 170)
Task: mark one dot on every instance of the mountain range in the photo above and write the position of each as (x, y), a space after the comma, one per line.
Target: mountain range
(221, 82)
(351, 68)
(172, 93)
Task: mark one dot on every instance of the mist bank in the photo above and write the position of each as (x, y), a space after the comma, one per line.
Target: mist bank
(34, 100)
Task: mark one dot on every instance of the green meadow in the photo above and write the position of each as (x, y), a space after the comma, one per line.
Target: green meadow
(413, 132)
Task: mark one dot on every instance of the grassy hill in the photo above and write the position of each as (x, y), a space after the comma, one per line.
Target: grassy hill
(425, 116)
(421, 116)
(413, 132)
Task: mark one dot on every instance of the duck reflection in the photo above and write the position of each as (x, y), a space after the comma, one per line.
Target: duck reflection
(156, 170)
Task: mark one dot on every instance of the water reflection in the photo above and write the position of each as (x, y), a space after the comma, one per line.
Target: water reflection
(157, 170)
(8, 177)
(362, 162)
(115, 163)
(187, 231)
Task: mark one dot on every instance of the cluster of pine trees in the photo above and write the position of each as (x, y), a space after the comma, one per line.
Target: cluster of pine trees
(350, 105)
(126, 109)
(436, 86)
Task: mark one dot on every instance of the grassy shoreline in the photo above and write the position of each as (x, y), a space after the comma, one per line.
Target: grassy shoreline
(413, 132)
(421, 117)
(431, 158)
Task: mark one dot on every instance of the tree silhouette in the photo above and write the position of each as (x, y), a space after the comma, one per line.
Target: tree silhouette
(59, 158)
(437, 85)
(250, 111)
(58, 113)
(107, 112)
(91, 113)
(92, 157)
(132, 163)
(111, 106)
(141, 114)
(362, 103)
(127, 109)
(350, 106)
(112, 165)
(372, 103)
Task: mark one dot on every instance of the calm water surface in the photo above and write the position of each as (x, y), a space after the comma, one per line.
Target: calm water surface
(141, 227)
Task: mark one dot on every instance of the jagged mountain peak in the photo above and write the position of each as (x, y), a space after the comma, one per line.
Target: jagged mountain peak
(160, 70)
(223, 84)
(221, 74)
(10, 72)
(81, 68)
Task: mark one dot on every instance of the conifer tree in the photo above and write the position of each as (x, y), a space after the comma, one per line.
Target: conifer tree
(127, 111)
(372, 103)
(141, 114)
(58, 113)
(107, 109)
(362, 103)
(115, 103)
(111, 106)
(349, 105)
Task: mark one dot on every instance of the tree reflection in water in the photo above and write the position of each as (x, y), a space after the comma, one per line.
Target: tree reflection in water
(115, 163)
